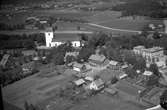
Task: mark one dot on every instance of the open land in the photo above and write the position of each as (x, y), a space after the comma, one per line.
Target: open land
(41, 89)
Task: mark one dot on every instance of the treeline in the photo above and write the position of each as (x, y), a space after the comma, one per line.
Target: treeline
(114, 45)
(21, 41)
(13, 75)
(4, 26)
(151, 8)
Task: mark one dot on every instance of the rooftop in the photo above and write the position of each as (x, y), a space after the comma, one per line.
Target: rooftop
(99, 82)
(139, 47)
(43, 48)
(79, 82)
(153, 49)
(63, 37)
(78, 65)
(147, 73)
(112, 62)
(97, 57)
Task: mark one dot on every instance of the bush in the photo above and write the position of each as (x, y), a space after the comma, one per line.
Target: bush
(114, 80)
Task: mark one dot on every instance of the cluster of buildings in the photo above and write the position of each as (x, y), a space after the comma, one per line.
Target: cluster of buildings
(159, 26)
(99, 65)
(93, 74)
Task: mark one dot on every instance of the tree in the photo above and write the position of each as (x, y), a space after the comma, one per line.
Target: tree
(26, 106)
(131, 72)
(58, 53)
(58, 59)
(163, 100)
(84, 37)
(154, 68)
(85, 53)
(69, 59)
(129, 57)
(140, 63)
(99, 39)
(114, 80)
(96, 77)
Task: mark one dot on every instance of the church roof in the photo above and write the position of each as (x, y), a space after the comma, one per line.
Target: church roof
(63, 37)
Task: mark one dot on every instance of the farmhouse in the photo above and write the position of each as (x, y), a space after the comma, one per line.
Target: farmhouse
(96, 60)
(114, 65)
(28, 67)
(97, 85)
(74, 54)
(78, 66)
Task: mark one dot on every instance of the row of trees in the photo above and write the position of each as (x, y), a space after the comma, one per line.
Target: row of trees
(4, 26)
(21, 41)
(13, 75)
(58, 53)
(151, 8)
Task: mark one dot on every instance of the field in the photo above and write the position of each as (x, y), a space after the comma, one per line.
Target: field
(34, 89)
(42, 88)
(105, 17)
(107, 102)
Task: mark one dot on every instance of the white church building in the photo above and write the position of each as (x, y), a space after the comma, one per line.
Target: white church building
(57, 38)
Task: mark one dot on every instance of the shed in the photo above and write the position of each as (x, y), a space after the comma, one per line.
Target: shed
(79, 82)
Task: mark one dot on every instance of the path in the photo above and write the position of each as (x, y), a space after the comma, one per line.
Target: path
(114, 29)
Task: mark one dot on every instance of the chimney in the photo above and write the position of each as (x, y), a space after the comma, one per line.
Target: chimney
(165, 24)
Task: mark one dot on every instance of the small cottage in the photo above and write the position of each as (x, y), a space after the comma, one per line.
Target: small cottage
(97, 85)
(78, 66)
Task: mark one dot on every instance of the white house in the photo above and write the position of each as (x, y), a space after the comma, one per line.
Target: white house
(97, 85)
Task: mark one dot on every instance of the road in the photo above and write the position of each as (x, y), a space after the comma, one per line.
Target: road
(74, 31)
(43, 31)
(113, 29)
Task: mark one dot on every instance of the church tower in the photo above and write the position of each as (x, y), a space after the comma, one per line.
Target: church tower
(49, 37)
